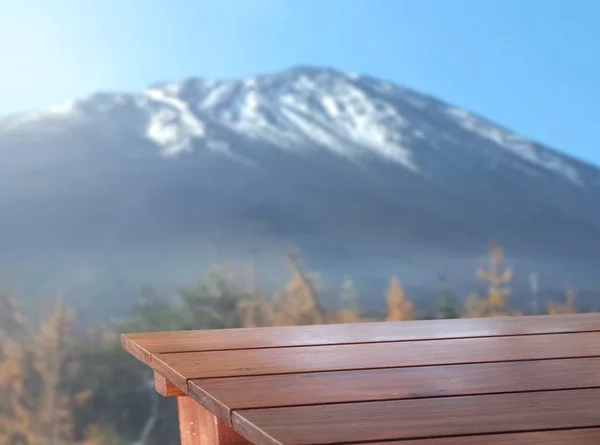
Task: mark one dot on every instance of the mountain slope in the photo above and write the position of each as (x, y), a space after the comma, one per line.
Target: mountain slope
(368, 178)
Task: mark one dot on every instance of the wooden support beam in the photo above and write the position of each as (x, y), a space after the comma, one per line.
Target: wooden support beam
(198, 426)
(165, 388)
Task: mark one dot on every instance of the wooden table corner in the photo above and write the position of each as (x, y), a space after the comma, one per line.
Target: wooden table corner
(528, 380)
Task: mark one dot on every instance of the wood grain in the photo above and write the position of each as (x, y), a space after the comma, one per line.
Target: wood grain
(221, 396)
(143, 345)
(178, 368)
(166, 388)
(587, 436)
(420, 418)
(197, 426)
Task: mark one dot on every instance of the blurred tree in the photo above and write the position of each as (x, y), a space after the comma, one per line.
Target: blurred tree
(301, 294)
(399, 307)
(498, 279)
(534, 288)
(567, 308)
(38, 370)
(445, 307)
(349, 311)
(124, 407)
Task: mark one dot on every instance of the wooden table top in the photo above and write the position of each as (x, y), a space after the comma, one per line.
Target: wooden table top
(531, 380)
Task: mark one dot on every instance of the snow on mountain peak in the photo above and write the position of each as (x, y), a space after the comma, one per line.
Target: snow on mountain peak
(172, 125)
(516, 144)
(300, 107)
(308, 108)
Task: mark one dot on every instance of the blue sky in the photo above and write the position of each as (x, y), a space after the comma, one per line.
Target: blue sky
(531, 65)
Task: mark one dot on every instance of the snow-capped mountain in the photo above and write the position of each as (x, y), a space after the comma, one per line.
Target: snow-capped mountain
(367, 177)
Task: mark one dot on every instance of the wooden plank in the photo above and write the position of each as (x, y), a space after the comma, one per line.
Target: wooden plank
(420, 418)
(584, 436)
(165, 388)
(178, 368)
(223, 395)
(143, 345)
(197, 426)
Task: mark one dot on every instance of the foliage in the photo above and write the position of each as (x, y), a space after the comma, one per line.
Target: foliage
(399, 308)
(567, 308)
(60, 389)
(498, 279)
(446, 307)
(37, 373)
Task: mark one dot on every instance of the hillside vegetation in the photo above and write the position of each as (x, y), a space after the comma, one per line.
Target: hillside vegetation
(62, 387)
